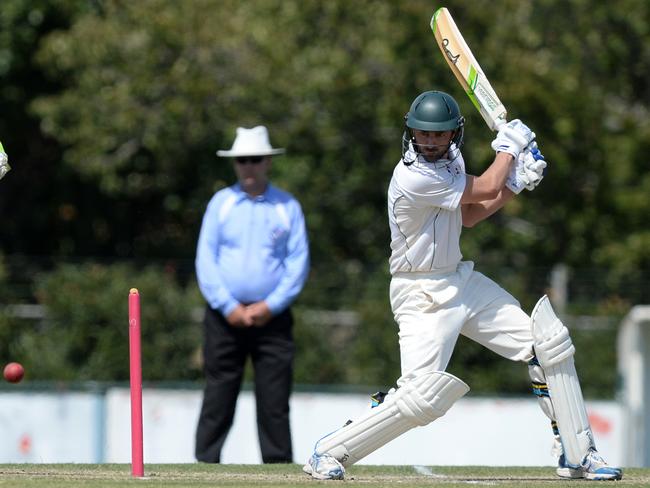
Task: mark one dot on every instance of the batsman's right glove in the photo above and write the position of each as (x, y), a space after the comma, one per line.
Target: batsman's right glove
(528, 171)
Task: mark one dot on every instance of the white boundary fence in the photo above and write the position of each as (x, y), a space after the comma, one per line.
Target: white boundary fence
(95, 428)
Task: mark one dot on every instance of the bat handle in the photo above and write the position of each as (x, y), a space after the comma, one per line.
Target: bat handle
(498, 124)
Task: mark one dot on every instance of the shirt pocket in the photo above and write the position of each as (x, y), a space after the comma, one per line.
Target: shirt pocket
(278, 238)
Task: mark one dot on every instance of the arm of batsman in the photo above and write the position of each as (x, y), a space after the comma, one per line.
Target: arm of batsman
(513, 138)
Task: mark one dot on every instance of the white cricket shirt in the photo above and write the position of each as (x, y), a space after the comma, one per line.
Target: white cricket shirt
(424, 215)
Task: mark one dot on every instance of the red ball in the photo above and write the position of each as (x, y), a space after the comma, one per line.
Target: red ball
(14, 372)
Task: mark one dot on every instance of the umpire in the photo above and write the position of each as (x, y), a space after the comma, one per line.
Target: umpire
(252, 261)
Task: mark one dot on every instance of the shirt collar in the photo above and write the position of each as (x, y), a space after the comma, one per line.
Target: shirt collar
(268, 195)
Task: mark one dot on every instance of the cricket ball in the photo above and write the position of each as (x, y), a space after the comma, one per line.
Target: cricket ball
(14, 372)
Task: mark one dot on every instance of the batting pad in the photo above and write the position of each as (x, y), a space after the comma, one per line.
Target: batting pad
(554, 351)
(418, 402)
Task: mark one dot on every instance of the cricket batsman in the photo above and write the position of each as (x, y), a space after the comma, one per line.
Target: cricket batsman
(435, 296)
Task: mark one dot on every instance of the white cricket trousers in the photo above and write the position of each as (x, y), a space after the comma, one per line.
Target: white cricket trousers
(432, 309)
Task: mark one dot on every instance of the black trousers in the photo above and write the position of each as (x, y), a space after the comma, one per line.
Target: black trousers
(225, 351)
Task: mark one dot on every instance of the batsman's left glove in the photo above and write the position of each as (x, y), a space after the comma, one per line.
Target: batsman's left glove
(513, 138)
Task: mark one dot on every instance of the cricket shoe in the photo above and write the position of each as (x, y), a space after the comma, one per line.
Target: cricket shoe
(324, 467)
(593, 467)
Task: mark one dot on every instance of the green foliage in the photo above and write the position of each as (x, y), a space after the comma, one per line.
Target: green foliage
(319, 349)
(84, 336)
(361, 348)
(9, 327)
(8, 336)
(376, 353)
(595, 360)
(152, 88)
(86, 332)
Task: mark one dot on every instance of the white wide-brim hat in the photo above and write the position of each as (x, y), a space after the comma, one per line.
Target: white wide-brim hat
(251, 142)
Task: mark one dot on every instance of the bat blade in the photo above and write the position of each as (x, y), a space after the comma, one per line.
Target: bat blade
(468, 72)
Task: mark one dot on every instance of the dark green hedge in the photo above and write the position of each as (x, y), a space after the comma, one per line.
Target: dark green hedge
(84, 335)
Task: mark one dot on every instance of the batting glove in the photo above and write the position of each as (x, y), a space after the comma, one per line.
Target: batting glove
(4, 162)
(528, 171)
(513, 137)
(534, 165)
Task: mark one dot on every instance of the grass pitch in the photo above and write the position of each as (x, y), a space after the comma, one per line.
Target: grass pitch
(287, 475)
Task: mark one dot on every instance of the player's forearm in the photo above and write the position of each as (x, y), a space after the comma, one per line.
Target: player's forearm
(473, 213)
(486, 187)
(497, 173)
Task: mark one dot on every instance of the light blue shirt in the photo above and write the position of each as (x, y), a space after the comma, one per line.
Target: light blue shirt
(252, 249)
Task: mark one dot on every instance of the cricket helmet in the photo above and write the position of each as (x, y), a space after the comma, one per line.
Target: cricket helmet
(433, 111)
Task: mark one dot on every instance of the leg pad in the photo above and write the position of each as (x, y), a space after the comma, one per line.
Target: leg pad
(554, 351)
(418, 402)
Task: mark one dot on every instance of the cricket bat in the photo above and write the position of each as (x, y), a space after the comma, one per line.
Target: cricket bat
(460, 59)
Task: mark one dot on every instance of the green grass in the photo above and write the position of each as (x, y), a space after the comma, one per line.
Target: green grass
(232, 475)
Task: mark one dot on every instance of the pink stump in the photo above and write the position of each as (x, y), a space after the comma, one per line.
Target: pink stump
(137, 459)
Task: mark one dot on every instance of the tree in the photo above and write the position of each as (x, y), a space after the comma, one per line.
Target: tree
(113, 151)
(33, 196)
